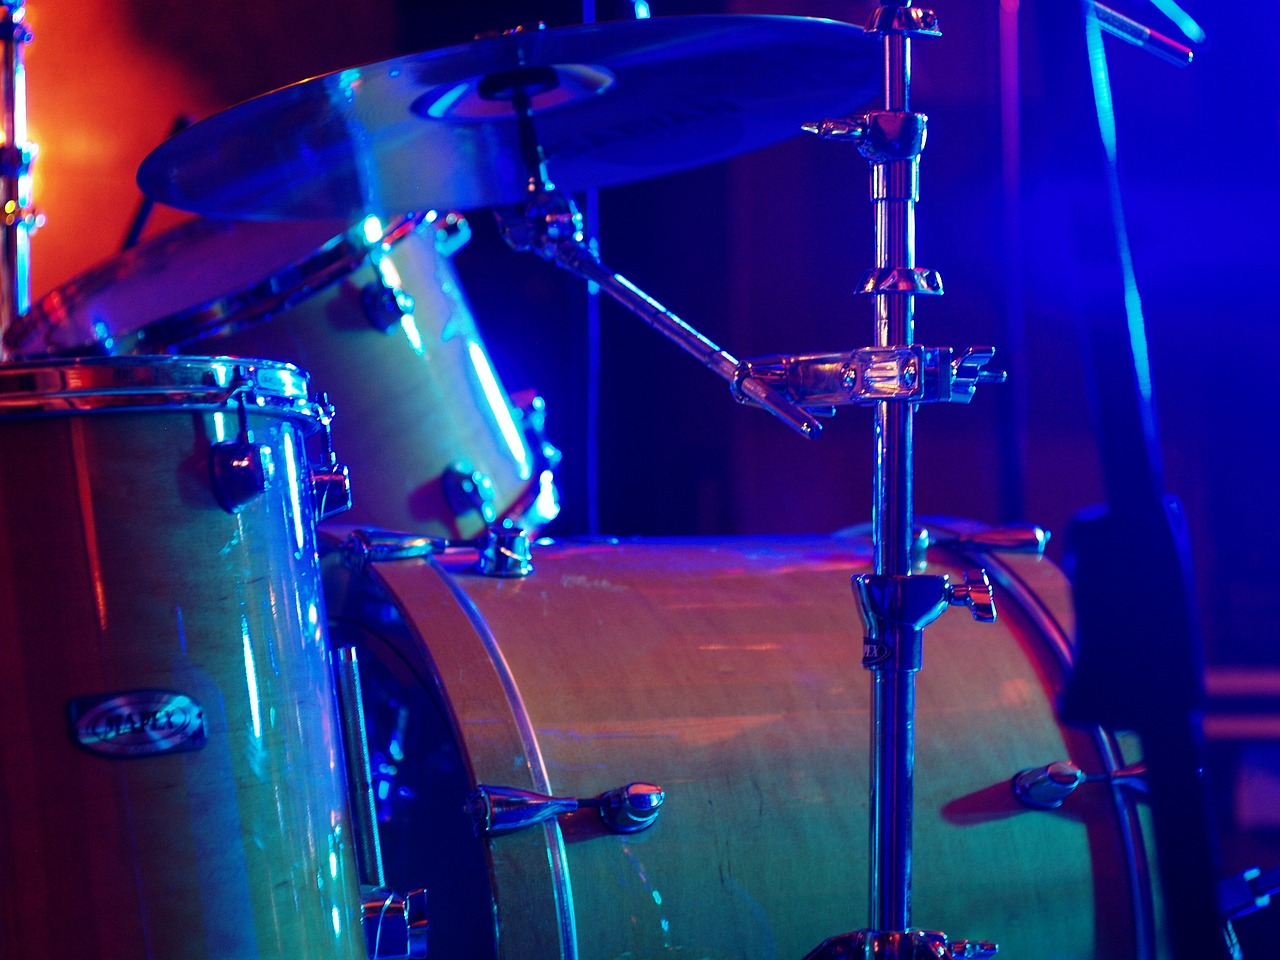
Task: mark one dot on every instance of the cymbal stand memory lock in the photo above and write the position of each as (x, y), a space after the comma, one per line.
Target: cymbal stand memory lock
(895, 375)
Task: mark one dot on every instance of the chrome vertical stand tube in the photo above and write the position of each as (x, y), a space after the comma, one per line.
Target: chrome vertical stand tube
(15, 169)
(897, 603)
(893, 194)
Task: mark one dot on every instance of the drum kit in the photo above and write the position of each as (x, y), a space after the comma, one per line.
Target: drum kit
(241, 731)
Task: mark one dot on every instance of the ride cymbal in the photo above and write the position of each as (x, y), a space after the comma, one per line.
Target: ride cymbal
(610, 103)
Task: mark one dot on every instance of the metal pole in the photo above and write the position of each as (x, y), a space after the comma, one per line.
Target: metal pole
(15, 170)
(894, 191)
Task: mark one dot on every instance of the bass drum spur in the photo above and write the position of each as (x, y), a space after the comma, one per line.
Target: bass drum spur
(379, 317)
(727, 673)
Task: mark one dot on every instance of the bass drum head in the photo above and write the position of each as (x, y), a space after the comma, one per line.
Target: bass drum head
(729, 674)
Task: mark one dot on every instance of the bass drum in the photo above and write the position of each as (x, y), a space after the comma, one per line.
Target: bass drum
(729, 674)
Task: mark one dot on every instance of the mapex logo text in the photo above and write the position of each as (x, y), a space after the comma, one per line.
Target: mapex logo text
(137, 723)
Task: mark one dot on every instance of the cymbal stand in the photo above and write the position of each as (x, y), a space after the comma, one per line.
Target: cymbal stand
(16, 155)
(896, 603)
(892, 376)
(550, 225)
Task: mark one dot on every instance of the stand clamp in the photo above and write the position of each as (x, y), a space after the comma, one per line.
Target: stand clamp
(912, 603)
(867, 376)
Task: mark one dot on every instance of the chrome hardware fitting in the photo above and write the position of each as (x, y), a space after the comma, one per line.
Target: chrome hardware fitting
(386, 304)
(331, 483)
(395, 926)
(909, 945)
(905, 20)
(452, 231)
(240, 469)
(917, 281)
(1247, 892)
(332, 486)
(907, 604)
(467, 489)
(915, 602)
(1045, 788)
(544, 505)
(627, 809)
(1026, 538)
(505, 553)
(870, 375)
(880, 136)
(367, 545)
(976, 594)
(345, 663)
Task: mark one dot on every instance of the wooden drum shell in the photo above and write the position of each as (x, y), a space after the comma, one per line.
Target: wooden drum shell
(728, 673)
(120, 572)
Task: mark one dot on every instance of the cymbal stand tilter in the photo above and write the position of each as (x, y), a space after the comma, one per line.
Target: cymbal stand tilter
(550, 225)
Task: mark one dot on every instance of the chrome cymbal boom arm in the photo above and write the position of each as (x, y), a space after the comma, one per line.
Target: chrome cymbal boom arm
(550, 225)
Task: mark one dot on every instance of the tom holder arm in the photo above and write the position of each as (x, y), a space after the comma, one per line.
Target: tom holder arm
(550, 225)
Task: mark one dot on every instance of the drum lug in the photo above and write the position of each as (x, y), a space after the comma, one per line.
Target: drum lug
(627, 809)
(544, 505)
(1045, 788)
(467, 489)
(505, 553)
(386, 303)
(332, 487)
(241, 469)
(331, 484)
(241, 472)
(395, 926)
